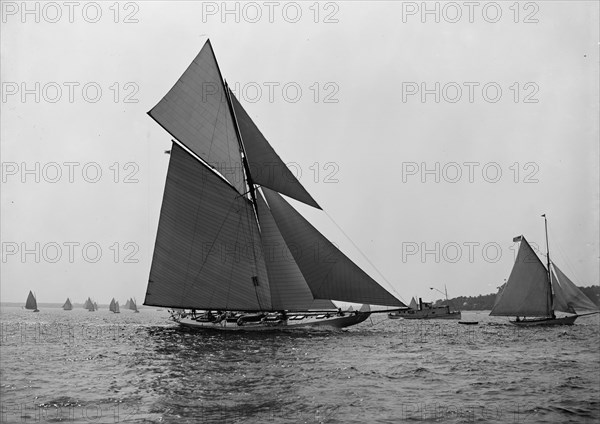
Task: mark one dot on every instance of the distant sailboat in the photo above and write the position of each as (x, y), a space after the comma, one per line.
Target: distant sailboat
(114, 306)
(67, 306)
(95, 306)
(229, 243)
(127, 304)
(132, 305)
(89, 305)
(31, 303)
(536, 291)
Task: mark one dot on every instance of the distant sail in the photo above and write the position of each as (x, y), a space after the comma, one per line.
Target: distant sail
(127, 304)
(567, 296)
(204, 218)
(112, 306)
(413, 304)
(329, 273)
(196, 112)
(31, 303)
(67, 305)
(132, 305)
(266, 166)
(117, 310)
(527, 292)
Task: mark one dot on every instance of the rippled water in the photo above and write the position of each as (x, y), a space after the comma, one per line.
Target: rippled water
(100, 367)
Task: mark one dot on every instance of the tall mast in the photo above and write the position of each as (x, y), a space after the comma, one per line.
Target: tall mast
(249, 180)
(548, 263)
(237, 131)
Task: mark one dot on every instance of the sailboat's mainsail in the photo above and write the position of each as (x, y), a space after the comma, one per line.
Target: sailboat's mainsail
(567, 297)
(31, 303)
(196, 112)
(266, 166)
(527, 291)
(206, 253)
(329, 273)
(112, 307)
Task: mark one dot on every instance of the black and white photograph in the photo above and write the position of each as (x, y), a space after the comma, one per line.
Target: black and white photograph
(300, 211)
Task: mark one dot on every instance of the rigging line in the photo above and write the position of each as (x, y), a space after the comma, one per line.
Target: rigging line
(365, 257)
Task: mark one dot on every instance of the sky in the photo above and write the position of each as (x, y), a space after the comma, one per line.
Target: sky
(431, 134)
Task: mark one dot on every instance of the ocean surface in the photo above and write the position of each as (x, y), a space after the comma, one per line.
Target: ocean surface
(99, 367)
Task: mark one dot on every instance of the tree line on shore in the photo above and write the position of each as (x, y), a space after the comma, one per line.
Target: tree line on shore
(485, 302)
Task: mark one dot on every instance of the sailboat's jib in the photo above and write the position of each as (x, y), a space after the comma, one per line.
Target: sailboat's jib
(328, 272)
(196, 112)
(567, 297)
(289, 289)
(527, 292)
(207, 252)
(266, 167)
(30, 303)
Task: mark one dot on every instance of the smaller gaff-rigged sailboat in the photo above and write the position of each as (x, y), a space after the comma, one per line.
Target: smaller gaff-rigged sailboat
(31, 303)
(67, 305)
(114, 306)
(534, 291)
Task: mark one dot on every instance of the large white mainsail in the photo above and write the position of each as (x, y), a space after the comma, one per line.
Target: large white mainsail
(215, 236)
(527, 291)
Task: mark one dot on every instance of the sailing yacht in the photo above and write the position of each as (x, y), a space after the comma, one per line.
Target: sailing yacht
(231, 253)
(131, 304)
(114, 306)
(31, 302)
(67, 306)
(537, 291)
(89, 305)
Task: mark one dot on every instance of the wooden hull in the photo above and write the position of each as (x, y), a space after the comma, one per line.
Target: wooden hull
(468, 322)
(307, 322)
(538, 322)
